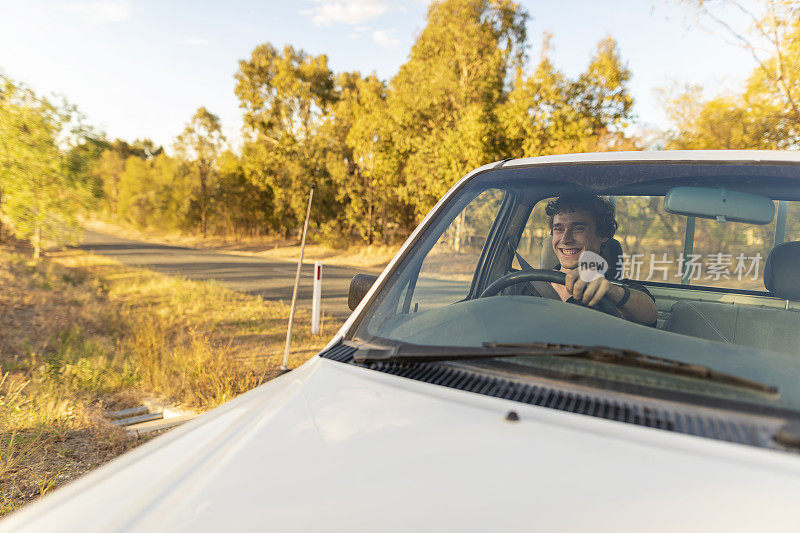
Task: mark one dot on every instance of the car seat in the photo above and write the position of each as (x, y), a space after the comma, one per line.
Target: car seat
(773, 329)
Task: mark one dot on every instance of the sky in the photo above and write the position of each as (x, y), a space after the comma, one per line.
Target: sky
(140, 68)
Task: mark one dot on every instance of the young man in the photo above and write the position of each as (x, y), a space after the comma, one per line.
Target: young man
(580, 222)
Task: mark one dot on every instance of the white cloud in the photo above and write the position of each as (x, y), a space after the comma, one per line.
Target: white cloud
(385, 38)
(327, 13)
(353, 36)
(101, 11)
(196, 41)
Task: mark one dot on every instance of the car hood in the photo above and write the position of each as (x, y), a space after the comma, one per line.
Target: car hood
(332, 447)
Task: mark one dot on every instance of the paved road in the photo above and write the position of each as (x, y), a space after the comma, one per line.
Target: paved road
(272, 279)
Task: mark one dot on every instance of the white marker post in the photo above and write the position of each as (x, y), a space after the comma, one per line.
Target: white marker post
(316, 298)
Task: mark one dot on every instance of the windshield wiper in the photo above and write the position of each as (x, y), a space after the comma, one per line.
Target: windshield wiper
(603, 354)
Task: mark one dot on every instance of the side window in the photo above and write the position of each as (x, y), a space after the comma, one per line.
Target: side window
(447, 271)
(536, 230)
(733, 254)
(722, 254)
(651, 239)
(792, 222)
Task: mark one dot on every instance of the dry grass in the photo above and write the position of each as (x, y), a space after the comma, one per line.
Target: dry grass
(80, 334)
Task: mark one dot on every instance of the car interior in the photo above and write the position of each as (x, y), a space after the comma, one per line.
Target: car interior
(768, 319)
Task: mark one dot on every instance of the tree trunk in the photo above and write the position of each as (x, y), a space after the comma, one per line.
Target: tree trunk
(203, 198)
(36, 241)
(459, 232)
(369, 218)
(383, 226)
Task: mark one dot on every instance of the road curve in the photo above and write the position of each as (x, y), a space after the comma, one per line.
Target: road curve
(272, 279)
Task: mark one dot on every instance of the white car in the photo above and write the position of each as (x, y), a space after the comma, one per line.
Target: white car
(454, 399)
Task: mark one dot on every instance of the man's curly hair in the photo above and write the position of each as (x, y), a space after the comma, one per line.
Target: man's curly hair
(602, 210)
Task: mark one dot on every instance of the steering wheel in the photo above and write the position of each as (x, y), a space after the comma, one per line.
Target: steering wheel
(553, 276)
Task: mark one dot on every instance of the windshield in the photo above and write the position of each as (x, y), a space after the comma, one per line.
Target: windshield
(704, 272)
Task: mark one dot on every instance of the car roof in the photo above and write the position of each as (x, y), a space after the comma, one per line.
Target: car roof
(665, 156)
(773, 173)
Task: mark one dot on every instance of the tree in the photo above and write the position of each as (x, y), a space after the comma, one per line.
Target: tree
(108, 168)
(244, 208)
(285, 96)
(357, 159)
(199, 145)
(443, 101)
(155, 192)
(547, 113)
(82, 158)
(39, 198)
(539, 117)
(729, 122)
(767, 112)
(602, 91)
(137, 192)
(773, 40)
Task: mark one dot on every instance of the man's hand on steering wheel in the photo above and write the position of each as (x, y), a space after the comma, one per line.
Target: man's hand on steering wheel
(590, 293)
(552, 276)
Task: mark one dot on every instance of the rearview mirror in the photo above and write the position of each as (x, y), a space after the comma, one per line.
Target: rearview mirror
(359, 286)
(720, 204)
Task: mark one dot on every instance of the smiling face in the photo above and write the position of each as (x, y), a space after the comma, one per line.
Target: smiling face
(574, 232)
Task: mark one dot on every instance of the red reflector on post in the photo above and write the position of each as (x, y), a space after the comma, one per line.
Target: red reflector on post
(316, 299)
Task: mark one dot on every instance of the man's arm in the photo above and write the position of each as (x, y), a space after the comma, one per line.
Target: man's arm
(639, 308)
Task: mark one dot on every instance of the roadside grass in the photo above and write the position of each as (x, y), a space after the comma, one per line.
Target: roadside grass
(81, 334)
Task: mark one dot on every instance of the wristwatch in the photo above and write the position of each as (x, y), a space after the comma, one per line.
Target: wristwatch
(622, 301)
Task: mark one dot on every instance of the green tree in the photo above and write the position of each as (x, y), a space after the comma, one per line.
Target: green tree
(82, 158)
(547, 113)
(199, 146)
(155, 192)
(358, 158)
(732, 122)
(136, 194)
(766, 113)
(108, 168)
(602, 91)
(244, 209)
(285, 96)
(539, 117)
(443, 101)
(39, 198)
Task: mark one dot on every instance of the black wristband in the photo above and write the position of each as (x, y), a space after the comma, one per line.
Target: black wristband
(622, 301)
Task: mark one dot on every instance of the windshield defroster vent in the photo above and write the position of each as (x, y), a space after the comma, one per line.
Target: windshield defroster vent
(341, 353)
(554, 398)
